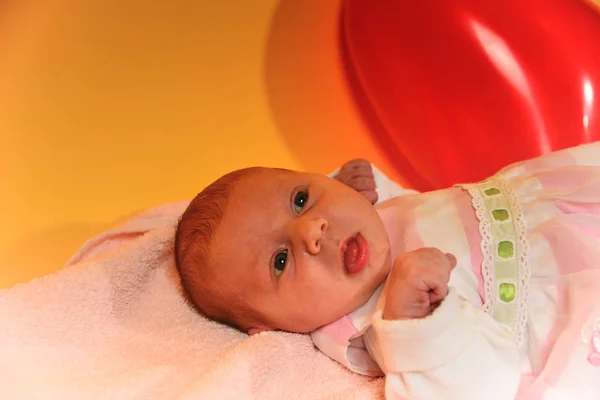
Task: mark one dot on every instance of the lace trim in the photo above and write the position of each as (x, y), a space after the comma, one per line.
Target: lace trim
(505, 266)
(524, 266)
(487, 264)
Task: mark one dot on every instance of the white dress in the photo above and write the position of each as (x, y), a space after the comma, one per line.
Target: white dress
(522, 319)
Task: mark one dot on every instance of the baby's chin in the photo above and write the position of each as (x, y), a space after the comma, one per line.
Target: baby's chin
(301, 327)
(378, 269)
(316, 322)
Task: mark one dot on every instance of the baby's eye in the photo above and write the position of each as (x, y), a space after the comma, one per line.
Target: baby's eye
(280, 262)
(300, 199)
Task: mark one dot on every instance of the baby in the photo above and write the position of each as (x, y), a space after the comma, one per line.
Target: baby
(489, 290)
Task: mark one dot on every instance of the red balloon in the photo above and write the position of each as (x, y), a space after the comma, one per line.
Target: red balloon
(459, 89)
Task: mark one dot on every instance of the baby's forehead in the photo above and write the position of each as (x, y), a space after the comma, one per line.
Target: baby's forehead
(267, 180)
(254, 210)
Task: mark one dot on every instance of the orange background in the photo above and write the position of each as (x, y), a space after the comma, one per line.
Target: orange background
(108, 107)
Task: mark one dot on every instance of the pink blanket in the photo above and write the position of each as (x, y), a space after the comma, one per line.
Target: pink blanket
(113, 324)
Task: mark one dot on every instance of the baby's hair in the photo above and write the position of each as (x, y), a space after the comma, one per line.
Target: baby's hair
(193, 239)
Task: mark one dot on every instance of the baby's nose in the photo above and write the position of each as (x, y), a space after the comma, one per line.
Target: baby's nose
(312, 231)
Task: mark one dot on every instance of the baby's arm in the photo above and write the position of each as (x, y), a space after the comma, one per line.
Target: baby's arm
(358, 174)
(455, 351)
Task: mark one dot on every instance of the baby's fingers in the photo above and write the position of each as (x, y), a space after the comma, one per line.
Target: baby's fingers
(371, 195)
(356, 168)
(358, 162)
(451, 260)
(438, 293)
(362, 171)
(361, 183)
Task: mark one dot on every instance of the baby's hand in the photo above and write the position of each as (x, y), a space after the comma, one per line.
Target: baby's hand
(358, 174)
(417, 283)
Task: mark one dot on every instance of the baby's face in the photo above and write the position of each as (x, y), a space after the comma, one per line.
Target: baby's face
(302, 250)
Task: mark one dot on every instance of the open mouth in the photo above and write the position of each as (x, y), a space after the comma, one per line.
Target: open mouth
(355, 253)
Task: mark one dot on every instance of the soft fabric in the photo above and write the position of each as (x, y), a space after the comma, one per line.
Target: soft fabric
(523, 314)
(114, 324)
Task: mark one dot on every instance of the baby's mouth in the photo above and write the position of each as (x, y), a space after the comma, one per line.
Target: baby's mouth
(355, 253)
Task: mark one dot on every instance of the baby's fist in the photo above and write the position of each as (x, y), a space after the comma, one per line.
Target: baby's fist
(358, 174)
(417, 283)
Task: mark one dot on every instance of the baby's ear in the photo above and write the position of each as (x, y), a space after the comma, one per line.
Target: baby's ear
(254, 331)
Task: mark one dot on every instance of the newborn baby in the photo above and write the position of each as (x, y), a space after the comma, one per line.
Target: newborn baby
(257, 240)
(487, 290)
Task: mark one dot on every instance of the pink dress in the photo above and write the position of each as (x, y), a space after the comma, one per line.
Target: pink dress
(527, 242)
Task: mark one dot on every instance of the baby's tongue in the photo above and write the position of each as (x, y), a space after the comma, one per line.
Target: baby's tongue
(350, 255)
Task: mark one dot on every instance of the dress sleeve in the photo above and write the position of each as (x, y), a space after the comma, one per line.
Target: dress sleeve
(458, 352)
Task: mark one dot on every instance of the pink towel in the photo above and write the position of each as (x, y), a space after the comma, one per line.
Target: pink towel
(113, 324)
